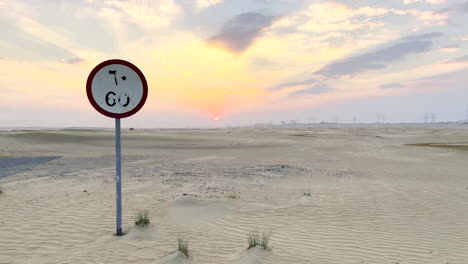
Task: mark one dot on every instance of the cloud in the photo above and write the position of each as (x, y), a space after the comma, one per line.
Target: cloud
(329, 12)
(377, 60)
(334, 16)
(74, 60)
(450, 48)
(238, 33)
(282, 86)
(434, 2)
(428, 18)
(443, 77)
(460, 38)
(463, 7)
(339, 26)
(42, 32)
(315, 89)
(425, 36)
(460, 8)
(392, 85)
(461, 59)
(207, 3)
(148, 14)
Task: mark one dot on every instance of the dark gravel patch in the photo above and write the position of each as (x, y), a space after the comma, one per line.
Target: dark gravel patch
(11, 166)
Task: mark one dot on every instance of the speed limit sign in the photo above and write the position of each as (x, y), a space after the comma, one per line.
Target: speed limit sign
(117, 89)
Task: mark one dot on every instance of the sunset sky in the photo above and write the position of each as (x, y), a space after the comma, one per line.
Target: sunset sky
(242, 61)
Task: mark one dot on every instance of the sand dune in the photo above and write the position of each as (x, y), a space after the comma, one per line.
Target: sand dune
(370, 197)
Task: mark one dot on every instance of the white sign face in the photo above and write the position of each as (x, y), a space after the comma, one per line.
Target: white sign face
(117, 88)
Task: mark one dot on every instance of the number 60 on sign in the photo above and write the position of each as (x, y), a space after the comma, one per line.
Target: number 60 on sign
(117, 88)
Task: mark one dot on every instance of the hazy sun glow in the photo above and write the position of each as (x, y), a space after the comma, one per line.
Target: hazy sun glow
(216, 118)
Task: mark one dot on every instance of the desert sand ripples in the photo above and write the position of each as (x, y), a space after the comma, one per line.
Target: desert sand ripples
(354, 197)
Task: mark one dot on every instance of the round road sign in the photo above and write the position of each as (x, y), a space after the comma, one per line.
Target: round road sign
(117, 88)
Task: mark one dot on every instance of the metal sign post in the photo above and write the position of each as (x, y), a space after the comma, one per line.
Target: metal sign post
(118, 178)
(117, 89)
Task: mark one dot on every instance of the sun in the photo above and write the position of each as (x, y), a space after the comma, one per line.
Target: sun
(215, 118)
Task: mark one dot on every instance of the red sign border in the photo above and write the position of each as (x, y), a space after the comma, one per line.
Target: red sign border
(97, 107)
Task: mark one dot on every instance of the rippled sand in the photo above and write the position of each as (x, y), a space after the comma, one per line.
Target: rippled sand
(388, 195)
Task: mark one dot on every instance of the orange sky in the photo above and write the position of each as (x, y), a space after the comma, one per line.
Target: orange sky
(227, 58)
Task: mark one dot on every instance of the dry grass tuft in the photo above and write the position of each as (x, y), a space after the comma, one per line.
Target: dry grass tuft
(183, 246)
(142, 218)
(254, 239)
(233, 195)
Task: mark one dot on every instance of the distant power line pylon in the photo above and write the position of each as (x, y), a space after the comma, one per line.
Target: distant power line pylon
(380, 117)
(429, 117)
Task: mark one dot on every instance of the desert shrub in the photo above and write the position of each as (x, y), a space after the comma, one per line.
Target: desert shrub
(233, 195)
(254, 239)
(183, 246)
(142, 218)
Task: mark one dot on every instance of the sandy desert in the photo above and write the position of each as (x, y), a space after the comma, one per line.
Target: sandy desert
(356, 195)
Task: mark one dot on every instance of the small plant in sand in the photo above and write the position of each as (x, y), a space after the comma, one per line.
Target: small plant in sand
(233, 195)
(307, 193)
(183, 246)
(255, 239)
(142, 218)
(1, 191)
